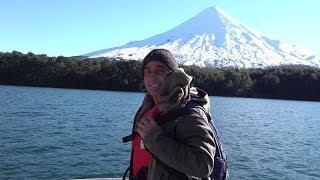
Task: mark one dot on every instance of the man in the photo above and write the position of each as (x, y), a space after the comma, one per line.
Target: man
(173, 147)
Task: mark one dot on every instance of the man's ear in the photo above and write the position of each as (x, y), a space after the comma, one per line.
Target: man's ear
(142, 87)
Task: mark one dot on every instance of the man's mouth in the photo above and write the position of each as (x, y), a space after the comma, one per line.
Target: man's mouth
(154, 86)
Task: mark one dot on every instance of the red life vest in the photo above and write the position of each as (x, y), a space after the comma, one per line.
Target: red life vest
(141, 156)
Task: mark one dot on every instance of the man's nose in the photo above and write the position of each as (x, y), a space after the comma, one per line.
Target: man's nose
(153, 77)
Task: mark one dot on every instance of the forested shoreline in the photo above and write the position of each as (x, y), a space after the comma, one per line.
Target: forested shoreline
(283, 82)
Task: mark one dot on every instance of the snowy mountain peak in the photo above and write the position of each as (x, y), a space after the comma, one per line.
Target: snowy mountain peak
(216, 14)
(211, 20)
(214, 38)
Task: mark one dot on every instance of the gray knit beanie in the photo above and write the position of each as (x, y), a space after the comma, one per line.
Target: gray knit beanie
(162, 55)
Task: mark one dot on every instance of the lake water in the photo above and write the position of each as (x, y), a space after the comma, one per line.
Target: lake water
(50, 133)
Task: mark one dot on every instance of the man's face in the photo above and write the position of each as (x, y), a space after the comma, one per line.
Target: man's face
(155, 73)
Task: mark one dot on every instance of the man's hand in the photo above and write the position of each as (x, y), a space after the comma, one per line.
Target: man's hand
(145, 125)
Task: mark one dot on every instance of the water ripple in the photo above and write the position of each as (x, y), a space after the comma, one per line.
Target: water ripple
(51, 133)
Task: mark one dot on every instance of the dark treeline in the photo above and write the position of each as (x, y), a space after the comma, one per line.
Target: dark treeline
(284, 82)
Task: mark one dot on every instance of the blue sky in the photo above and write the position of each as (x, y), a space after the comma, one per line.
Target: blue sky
(75, 27)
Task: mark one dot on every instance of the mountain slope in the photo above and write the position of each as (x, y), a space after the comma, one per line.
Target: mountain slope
(214, 38)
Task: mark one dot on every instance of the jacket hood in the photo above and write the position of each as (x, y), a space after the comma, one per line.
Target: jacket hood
(200, 97)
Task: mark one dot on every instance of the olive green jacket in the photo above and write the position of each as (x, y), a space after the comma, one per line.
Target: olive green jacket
(189, 149)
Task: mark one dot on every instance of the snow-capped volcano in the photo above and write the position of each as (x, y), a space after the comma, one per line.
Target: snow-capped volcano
(214, 38)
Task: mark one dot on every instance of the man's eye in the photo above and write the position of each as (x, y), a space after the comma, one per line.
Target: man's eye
(158, 72)
(161, 71)
(146, 72)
